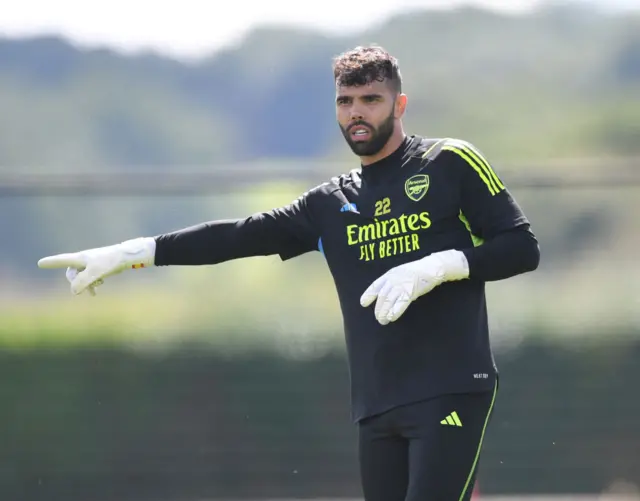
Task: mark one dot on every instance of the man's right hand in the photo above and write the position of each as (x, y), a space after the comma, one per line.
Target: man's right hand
(88, 268)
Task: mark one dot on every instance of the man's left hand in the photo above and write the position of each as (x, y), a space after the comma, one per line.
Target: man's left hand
(400, 286)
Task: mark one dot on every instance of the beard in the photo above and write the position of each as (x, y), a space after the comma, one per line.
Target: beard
(377, 140)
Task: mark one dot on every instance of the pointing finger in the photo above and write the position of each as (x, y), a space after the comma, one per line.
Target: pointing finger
(68, 260)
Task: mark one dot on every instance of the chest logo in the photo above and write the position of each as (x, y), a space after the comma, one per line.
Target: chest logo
(417, 186)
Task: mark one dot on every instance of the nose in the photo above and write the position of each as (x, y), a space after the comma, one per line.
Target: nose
(355, 112)
(355, 115)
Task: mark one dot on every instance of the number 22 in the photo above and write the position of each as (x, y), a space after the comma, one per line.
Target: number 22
(382, 207)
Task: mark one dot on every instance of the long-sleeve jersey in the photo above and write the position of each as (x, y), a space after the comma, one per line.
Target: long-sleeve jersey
(429, 195)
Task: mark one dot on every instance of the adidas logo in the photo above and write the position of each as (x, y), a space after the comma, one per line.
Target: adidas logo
(452, 420)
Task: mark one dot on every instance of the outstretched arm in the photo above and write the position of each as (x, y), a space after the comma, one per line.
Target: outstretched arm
(288, 231)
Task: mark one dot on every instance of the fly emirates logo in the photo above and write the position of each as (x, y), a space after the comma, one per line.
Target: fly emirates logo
(390, 237)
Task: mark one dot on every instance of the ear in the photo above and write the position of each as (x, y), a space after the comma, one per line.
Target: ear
(400, 106)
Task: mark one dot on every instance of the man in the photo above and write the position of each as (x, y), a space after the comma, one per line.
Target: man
(411, 237)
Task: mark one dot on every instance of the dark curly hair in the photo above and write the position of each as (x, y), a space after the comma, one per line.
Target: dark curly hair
(363, 65)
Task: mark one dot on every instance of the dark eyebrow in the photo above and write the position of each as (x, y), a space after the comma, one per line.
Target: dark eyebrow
(365, 96)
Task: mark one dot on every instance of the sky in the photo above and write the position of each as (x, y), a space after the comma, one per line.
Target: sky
(191, 29)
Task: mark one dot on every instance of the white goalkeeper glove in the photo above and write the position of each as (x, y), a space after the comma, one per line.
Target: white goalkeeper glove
(400, 286)
(87, 269)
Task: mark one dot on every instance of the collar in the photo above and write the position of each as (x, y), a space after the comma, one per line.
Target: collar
(390, 166)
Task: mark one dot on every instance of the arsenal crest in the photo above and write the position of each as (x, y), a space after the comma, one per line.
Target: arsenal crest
(416, 186)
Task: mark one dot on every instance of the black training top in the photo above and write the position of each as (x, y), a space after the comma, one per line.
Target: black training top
(429, 195)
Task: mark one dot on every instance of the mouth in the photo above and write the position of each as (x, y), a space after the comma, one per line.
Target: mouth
(360, 133)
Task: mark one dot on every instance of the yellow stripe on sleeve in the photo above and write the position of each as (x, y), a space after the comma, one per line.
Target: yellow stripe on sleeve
(474, 165)
(487, 166)
(481, 161)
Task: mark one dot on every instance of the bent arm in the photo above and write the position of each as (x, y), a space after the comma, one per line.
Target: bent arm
(504, 244)
(505, 255)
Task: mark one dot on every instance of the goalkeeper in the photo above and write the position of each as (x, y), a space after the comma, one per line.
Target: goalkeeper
(410, 237)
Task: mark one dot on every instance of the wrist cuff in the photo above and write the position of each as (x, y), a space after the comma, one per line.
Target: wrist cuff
(139, 252)
(454, 264)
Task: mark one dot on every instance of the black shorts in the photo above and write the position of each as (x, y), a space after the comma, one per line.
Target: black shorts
(427, 451)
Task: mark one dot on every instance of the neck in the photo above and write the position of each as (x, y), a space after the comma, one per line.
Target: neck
(392, 145)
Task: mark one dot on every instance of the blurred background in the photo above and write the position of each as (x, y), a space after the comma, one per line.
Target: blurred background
(230, 382)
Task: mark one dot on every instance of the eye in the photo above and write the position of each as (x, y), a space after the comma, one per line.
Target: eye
(342, 101)
(372, 98)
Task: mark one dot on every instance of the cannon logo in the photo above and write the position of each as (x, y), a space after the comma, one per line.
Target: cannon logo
(417, 186)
